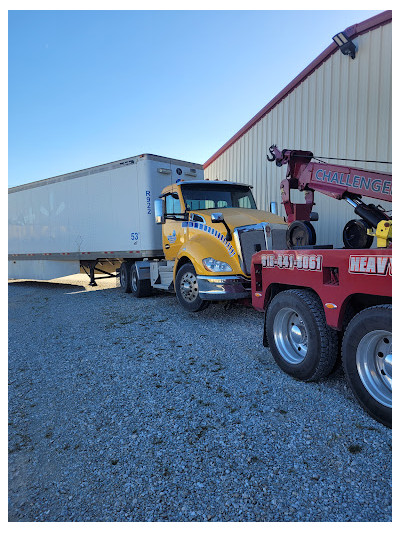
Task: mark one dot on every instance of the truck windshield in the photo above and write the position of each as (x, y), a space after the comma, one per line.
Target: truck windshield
(208, 196)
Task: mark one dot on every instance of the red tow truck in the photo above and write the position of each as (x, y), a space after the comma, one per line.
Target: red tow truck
(319, 301)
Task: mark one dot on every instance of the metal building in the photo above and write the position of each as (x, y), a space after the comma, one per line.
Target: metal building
(337, 107)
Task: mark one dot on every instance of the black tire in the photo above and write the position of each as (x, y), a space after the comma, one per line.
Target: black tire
(187, 290)
(300, 233)
(367, 361)
(301, 342)
(140, 288)
(355, 235)
(125, 277)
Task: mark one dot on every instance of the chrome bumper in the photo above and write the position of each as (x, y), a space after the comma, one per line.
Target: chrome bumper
(224, 287)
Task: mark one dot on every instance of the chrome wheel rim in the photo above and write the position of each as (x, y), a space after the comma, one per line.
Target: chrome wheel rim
(374, 365)
(189, 287)
(290, 335)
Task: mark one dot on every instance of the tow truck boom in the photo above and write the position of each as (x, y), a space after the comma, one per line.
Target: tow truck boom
(337, 181)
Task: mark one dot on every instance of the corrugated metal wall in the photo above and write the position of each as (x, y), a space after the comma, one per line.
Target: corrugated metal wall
(343, 109)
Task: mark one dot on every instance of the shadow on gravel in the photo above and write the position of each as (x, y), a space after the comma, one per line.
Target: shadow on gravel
(47, 285)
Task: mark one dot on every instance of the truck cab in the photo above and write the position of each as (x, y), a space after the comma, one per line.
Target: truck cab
(210, 230)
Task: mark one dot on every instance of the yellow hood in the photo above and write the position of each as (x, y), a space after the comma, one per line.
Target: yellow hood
(236, 217)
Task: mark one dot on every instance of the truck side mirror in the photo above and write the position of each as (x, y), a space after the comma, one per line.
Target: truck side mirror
(159, 211)
(273, 208)
(217, 217)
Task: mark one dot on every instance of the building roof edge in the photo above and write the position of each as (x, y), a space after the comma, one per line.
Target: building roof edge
(352, 31)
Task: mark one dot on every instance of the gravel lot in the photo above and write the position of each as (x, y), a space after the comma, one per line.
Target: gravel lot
(131, 410)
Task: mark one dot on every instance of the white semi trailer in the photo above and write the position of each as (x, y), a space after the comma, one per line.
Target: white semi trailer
(92, 219)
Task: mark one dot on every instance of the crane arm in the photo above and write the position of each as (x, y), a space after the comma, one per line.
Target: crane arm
(337, 181)
(341, 182)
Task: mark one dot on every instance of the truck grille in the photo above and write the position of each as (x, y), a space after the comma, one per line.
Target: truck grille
(252, 239)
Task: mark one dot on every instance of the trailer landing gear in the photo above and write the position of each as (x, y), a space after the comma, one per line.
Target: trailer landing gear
(91, 265)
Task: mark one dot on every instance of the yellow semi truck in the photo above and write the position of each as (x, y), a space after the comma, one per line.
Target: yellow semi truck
(210, 230)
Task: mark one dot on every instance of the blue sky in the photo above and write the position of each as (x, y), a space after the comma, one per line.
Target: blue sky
(89, 87)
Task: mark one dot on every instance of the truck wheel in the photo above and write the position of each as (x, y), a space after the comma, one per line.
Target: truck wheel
(301, 342)
(125, 277)
(187, 289)
(300, 233)
(367, 361)
(139, 287)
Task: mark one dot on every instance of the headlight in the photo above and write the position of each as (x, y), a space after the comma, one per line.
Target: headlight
(213, 265)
